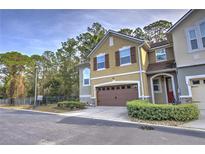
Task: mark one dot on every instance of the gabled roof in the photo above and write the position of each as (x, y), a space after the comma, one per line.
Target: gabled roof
(140, 41)
(180, 20)
(159, 44)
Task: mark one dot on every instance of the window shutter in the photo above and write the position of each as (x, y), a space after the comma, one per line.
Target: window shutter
(117, 58)
(95, 63)
(133, 55)
(107, 65)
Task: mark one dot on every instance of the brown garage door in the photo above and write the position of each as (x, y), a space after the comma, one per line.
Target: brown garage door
(116, 95)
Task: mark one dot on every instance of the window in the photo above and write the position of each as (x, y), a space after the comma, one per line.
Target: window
(194, 82)
(125, 56)
(86, 77)
(100, 62)
(193, 39)
(196, 36)
(156, 85)
(161, 55)
(202, 30)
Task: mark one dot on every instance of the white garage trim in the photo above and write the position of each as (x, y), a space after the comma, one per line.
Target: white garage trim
(118, 83)
(188, 79)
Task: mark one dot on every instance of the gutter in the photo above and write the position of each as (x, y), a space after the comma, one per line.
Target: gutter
(140, 71)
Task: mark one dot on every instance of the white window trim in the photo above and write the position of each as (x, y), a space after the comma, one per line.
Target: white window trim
(200, 35)
(156, 55)
(125, 64)
(85, 85)
(188, 80)
(160, 85)
(122, 49)
(189, 40)
(101, 54)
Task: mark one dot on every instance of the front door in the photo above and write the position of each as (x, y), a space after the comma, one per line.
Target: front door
(170, 93)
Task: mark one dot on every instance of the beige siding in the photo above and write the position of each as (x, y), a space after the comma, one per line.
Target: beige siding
(182, 56)
(105, 48)
(113, 69)
(131, 77)
(145, 60)
(145, 82)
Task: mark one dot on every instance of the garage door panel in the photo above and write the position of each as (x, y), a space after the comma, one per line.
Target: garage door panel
(198, 92)
(116, 95)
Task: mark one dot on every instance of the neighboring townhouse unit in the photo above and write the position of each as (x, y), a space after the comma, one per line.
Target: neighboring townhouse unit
(188, 37)
(161, 73)
(123, 68)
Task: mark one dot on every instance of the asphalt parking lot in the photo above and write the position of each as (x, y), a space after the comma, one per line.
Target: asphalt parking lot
(25, 127)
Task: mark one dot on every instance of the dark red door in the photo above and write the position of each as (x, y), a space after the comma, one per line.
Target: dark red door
(170, 93)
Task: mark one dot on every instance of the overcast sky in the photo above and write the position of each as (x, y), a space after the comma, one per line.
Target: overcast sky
(34, 31)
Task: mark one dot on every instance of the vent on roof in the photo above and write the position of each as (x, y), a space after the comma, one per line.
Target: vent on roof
(111, 43)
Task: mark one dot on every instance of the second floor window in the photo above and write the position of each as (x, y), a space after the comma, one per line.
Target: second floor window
(101, 62)
(161, 55)
(202, 30)
(193, 39)
(196, 37)
(125, 56)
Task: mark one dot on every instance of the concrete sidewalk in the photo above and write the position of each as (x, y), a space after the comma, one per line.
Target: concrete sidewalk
(199, 124)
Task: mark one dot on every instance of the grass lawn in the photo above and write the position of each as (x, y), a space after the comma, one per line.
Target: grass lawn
(51, 108)
(46, 108)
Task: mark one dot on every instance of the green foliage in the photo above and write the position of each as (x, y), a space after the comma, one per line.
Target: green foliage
(156, 31)
(14, 65)
(72, 105)
(88, 40)
(146, 111)
(137, 33)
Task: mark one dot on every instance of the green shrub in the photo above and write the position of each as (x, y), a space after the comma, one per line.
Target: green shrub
(71, 105)
(147, 111)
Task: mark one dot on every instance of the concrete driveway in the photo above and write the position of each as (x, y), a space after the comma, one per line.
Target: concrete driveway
(103, 113)
(200, 123)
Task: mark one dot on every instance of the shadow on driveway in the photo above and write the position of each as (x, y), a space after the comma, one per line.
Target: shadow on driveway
(97, 122)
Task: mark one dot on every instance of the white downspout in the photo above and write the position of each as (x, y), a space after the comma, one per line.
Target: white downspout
(140, 66)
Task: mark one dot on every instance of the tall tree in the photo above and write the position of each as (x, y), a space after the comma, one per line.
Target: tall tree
(137, 33)
(87, 41)
(126, 31)
(156, 30)
(14, 64)
(68, 59)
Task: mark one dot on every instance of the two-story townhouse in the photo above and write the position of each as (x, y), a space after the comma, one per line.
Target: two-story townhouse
(118, 65)
(161, 73)
(188, 38)
(123, 68)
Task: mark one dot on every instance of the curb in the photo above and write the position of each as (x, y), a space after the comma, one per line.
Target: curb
(114, 120)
